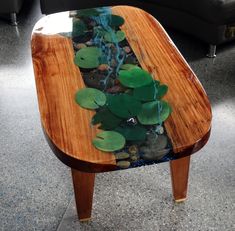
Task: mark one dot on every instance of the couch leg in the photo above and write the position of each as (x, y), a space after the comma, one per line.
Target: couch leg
(212, 51)
(13, 19)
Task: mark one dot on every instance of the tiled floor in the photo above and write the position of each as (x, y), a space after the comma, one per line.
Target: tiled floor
(35, 188)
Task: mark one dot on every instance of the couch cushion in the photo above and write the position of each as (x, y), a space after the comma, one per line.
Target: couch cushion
(213, 11)
(11, 6)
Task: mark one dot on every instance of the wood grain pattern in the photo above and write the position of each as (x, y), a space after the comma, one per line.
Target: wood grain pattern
(83, 184)
(179, 178)
(68, 126)
(190, 121)
(65, 123)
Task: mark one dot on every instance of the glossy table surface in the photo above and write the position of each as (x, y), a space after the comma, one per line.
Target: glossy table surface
(67, 126)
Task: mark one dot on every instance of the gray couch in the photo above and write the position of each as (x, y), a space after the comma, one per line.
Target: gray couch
(11, 7)
(212, 21)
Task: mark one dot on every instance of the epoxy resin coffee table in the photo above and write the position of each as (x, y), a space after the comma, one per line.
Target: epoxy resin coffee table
(115, 93)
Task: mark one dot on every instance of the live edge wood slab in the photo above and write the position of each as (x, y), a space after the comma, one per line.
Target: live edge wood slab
(67, 126)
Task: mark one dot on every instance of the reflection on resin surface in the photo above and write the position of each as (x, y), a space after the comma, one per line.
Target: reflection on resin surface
(55, 24)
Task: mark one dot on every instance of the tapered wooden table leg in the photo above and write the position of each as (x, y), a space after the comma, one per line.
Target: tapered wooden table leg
(179, 178)
(83, 184)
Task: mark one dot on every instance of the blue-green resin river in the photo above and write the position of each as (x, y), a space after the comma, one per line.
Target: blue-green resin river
(127, 100)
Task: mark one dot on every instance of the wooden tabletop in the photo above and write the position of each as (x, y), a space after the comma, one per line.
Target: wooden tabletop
(67, 126)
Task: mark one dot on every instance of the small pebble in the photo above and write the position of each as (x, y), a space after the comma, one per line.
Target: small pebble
(103, 67)
(89, 43)
(127, 49)
(159, 129)
(123, 164)
(134, 157)
(122, 155)
(133, 149)
(80, 45)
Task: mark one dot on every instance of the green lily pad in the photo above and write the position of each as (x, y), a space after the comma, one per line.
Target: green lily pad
(135, 77)
(162, 90)
(88, 57)
(90, 98)
(79, 28)
(116, 20)
(109, 141)
(124, 105)
(128, 66)
(114, 37)
(132, 133)
(148, 92)
(154, 112)
(106, 118)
